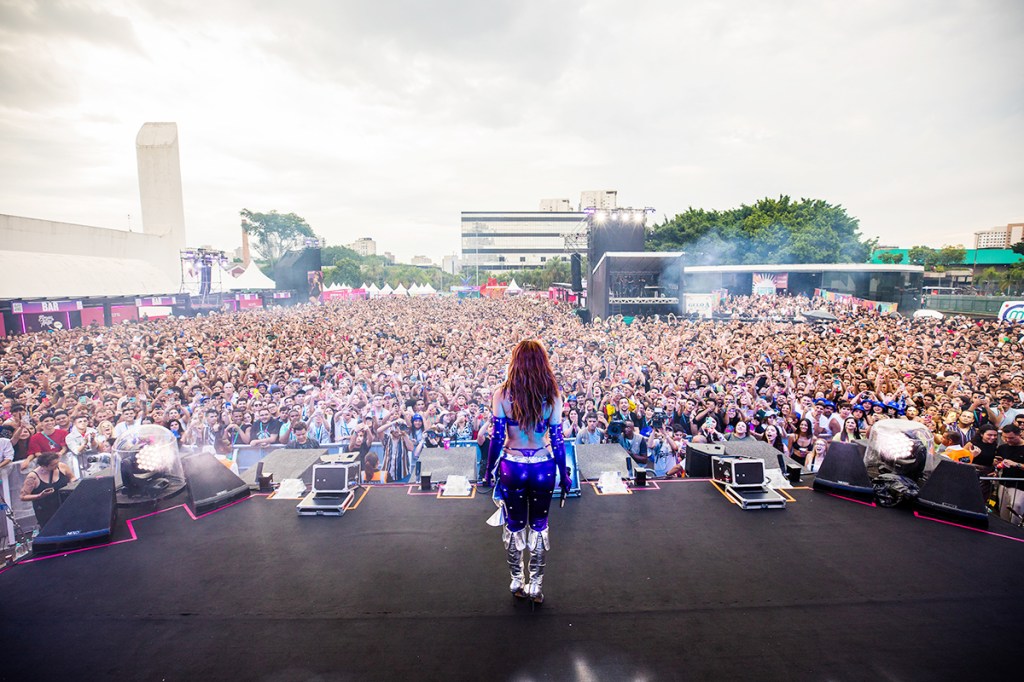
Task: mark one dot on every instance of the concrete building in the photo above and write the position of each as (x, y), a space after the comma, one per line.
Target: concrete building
(422, 262)
(514, 240)
(364, 246)
(389, 257)
(451, 264)
(555, 205)
(601, 199)
(46, 259)
(999, 237)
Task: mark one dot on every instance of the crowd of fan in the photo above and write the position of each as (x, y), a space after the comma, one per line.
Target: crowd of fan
(415, 373)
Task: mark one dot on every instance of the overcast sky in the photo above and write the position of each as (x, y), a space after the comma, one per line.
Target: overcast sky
(387, 118)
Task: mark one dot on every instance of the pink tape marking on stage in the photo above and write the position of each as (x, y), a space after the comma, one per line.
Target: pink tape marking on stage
(131, 529)
(851, 499)
(960, 525)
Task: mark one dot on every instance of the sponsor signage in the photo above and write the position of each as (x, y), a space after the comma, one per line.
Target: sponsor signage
(1012, 311)
(282, 294)
(35, 307)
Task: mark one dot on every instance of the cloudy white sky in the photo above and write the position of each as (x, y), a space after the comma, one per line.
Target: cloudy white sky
(387, 118)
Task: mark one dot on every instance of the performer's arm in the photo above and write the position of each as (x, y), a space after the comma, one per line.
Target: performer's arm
(498, 424)
(558, 444)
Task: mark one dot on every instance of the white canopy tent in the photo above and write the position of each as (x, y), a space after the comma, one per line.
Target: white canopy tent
(252, 278)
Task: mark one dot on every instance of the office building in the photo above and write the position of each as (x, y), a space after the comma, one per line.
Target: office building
(513, 240)
(601, 199)
(999, 237)
(364, 246)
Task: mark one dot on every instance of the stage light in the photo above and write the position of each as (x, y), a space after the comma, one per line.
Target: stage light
(601, 216)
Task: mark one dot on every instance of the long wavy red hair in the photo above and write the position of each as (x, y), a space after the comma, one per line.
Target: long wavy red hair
(530, 383)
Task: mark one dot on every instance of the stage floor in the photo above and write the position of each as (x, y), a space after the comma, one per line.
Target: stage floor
(666, 584)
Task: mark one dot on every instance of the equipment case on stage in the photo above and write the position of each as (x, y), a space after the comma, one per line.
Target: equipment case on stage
(739, 472)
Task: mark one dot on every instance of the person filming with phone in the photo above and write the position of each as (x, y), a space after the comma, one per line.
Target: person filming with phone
(43, 482)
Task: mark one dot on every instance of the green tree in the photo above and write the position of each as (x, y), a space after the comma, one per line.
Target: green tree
(770, 231)
(1018, 247)
(275, 233)
(951, 255)
(330, 255)
(890, 257)
(1013, 278)
(988, 280)
(921, 255)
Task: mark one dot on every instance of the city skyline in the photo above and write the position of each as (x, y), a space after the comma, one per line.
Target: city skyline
(391, 119)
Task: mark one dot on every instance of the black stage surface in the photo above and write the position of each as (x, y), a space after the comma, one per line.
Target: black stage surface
(668, 584)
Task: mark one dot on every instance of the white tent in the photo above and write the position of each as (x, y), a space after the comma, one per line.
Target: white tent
(513, 288)
(252, 278)
(387, 290)
(345, 287)
(372, 290)
(427, 289)
(925, 313)
(400, 290)
(366, 288)
(414, 290)
(334, 287)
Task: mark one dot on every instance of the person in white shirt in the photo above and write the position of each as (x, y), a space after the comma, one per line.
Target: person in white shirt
(81, 442)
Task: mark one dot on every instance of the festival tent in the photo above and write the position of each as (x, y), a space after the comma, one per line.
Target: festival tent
(400, 290)
(252, 279)
(513, 287)
(333, 287)
(427, 290)
(926, 313)
(387, 290)
(372, 290)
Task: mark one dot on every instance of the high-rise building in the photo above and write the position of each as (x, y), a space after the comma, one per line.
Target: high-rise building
(999, 237)
(364, 246)
(513, 240)
(601, 199)
(422, 261)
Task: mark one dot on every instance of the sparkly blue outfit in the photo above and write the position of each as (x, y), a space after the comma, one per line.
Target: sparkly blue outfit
(526, 482)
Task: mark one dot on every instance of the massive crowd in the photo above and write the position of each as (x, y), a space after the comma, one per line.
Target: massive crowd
(413, 373)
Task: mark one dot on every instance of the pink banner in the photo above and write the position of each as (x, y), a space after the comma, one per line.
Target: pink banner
(120, 313)
(92, 316)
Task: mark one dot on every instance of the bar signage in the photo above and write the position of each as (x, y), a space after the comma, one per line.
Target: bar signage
(33, 307)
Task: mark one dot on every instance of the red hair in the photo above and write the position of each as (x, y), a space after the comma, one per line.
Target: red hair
(530, 383)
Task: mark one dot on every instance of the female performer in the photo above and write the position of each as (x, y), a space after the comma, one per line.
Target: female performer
(524, 407)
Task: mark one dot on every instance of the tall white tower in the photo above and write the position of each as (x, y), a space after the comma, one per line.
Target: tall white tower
(163, 209)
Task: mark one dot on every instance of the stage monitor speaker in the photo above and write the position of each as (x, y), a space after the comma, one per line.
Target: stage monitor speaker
(641, 477)
(87, 517)
(425, 481)
(698, 458)
(210, 483)
(954, 488)
(576, 261)
(843, 470)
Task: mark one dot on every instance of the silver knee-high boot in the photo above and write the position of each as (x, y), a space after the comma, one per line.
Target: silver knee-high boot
(515, 543)
(538, 544)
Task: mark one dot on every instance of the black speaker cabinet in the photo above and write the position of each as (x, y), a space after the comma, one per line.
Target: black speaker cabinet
(843, 470)
(955, 489)
(210, 483)
(641, 478)
(698, 458)
(87, 517)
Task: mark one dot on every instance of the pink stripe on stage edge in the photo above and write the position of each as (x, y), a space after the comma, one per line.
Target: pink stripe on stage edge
(131, 530)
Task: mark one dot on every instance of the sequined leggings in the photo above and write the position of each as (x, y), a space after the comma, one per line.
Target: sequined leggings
(527, 489)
